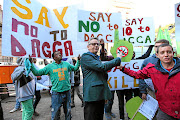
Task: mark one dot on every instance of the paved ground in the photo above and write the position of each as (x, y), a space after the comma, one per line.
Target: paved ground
(44, 108)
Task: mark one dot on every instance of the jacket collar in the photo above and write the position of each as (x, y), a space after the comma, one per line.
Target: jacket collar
(96, 56)
(174, 70)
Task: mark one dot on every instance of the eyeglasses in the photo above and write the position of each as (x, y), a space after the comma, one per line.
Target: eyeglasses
(98, 44)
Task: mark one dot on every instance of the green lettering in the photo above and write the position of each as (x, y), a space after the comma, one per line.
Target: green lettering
(82, 25)
(97, 26)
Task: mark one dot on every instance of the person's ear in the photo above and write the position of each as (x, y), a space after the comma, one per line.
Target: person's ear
(157, 55)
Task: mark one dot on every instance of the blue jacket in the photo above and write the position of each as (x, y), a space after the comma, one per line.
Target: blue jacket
(142, 84)
(95, 87)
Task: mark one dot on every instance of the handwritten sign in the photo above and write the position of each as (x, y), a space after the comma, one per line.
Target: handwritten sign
(29, 28)
(117, 80)
(139, 31)
(98, 24)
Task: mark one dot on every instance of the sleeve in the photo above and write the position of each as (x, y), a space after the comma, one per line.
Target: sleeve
(17, 73)
(74, 68)
(43, 71)
(142, 84)
(90, 62)
(147, 54)
(140, 74)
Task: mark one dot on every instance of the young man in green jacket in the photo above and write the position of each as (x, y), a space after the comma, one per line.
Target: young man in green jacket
(59, 75)
(95, 87)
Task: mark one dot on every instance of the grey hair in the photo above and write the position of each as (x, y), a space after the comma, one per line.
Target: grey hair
(92, 39)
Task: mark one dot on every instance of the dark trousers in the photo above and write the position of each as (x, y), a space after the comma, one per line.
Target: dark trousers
(38, 97)
(94, 110)
(121, 93)
(1, 112)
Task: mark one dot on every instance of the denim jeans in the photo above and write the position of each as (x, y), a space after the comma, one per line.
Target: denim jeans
(18, 104)
(57, 100)
(120, 93)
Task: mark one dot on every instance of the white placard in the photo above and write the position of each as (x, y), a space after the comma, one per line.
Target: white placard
(29, 28)
(177, 21)
(139, 31)
(98, 24)
(118, 80)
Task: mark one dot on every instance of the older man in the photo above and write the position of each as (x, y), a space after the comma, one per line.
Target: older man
(95, 87)
(165, 75)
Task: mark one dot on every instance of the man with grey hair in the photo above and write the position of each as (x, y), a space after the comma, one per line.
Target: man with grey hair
(95, 87)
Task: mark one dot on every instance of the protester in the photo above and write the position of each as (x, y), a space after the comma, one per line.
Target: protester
(25, 85)
(59, 75)
(165, 75)
(95, 87)
(76, 87)
(153, 59)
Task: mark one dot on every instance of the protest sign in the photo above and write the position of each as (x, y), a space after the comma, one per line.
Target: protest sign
(117, 80)
(29, 28)
(177, 28)
(139, 31)
(98, 24)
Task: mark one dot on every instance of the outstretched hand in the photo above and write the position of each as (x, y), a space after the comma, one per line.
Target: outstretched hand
(79, 57)
(119, 54)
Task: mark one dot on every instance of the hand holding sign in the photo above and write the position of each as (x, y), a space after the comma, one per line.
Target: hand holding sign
(125, 47)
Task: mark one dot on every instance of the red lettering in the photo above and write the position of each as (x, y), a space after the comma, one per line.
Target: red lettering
(140, 20)
(108, 16)
(86, 37)
(48, 54)
(68, 47)
(127, 21)
(100, 15)
(115, 69)
(137, 67)
(54, 47)
(15, 44)
(35, 29)
(107, 37)
(35, 45)
(15, 24)
(91, 14)
(127, 64)
(133, 21)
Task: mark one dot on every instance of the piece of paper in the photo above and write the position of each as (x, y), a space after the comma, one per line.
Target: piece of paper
(149, 107)
(149, 83)
(40, 87)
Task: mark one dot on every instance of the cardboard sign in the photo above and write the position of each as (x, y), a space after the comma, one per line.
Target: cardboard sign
(29, 28)
(117, 80)
(139, 31)
(98, 24)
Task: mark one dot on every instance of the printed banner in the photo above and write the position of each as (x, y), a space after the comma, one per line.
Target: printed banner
(117, 80)
(29, 28)
(98, 24)
(177, 28)
(139, 31)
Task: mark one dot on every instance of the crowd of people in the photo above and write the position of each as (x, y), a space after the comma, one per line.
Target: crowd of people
(162, 67)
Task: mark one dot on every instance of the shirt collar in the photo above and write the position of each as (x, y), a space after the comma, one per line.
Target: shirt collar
(94, 55)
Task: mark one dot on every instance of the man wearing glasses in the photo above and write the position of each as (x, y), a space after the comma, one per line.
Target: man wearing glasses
(95, 87)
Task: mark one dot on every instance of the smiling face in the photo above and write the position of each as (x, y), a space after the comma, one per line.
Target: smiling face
(165, 54)
(93, 46)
